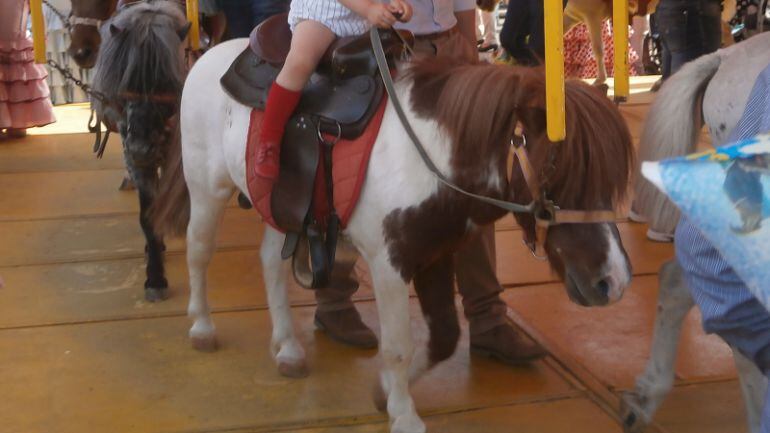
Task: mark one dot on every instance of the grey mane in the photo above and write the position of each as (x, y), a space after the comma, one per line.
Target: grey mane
(141, 50)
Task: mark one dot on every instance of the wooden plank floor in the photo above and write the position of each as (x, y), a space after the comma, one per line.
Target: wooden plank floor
(81, 351)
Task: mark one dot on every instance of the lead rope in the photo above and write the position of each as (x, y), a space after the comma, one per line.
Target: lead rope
(382, 63)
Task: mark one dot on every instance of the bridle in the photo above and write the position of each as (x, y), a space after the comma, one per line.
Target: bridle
(75, 20)
(545, 212)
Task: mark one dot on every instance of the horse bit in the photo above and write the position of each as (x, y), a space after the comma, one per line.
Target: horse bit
(545, 211)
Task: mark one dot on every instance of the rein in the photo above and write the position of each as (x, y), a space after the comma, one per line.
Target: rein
(545, 212)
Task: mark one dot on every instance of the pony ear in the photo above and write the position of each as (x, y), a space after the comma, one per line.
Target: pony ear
(114, 30)
(184, 31)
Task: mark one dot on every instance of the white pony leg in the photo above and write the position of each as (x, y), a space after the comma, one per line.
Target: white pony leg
(396, 345)
(674, 301)
(286, 349)
(753, 386)
(205, 211)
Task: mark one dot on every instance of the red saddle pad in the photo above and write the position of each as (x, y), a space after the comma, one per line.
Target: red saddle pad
(350, 160)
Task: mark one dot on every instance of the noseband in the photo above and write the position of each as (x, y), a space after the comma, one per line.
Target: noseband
(545, 211)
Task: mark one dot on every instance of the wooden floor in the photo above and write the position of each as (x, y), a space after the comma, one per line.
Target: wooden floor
(80, 351)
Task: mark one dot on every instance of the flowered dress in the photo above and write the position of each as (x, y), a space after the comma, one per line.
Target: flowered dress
(24, 100)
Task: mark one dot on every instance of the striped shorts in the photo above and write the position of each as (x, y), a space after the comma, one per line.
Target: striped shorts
(331, 13)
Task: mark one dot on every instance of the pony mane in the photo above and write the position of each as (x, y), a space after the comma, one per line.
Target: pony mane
(141, 50)
(479, 105)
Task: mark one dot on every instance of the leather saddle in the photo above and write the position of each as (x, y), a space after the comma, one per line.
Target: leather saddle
(343, 93)
(339, 100)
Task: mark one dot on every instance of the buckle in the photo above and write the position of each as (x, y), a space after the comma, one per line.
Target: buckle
(545, 211)
(321, 134)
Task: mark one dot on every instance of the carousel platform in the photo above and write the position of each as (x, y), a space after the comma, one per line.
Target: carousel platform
(81, 351)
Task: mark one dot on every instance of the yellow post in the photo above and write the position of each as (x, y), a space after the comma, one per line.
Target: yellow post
(620, 40)
(554, 70)
(192, 17)
(38, 30)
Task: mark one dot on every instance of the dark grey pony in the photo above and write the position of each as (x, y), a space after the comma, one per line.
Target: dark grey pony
(141, 71)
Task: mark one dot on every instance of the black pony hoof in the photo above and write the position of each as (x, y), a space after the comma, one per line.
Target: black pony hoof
(243, 201)
(633, 422)
(127, 184)
(153, 294)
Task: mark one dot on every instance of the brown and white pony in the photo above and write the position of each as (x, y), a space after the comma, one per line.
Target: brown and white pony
(407, 224)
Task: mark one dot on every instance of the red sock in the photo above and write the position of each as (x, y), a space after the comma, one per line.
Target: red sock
(280, 106)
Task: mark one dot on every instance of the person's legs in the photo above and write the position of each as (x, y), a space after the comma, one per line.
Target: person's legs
(536, 42)
(238, 16)
(690, 31)
(309, 42)
(490, 330)
(337, 315)
(489, 24)
(264, 9)
(513, 35)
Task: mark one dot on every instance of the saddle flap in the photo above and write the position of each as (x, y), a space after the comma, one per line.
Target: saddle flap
(271, 39)
(292, 194)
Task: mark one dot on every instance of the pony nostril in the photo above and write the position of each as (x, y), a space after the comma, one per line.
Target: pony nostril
(603, 287)
(84, 53)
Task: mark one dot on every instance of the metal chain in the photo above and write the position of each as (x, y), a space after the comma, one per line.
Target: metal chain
(67, 74)
(64, 18)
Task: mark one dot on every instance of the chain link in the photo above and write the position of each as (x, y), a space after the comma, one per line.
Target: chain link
(64, 18)
(67, 74)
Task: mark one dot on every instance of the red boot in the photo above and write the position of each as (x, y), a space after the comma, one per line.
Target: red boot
(280, 106)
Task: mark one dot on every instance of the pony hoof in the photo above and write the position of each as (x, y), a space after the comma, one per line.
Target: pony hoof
(205, 344)
(127, 185)
(243, 201)
(152, 294)
(379, 397)
(633, 422)
(296, 369)
(408, 424)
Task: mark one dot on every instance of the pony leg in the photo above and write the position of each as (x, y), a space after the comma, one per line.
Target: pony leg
(205, 212)
(594, 25)
(435, 289)
(286, 349)
(753, 387)
(674, 302)
(396, 345)
(156, 285)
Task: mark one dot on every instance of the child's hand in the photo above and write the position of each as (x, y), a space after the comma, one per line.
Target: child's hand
(402, 9)
(380, 15)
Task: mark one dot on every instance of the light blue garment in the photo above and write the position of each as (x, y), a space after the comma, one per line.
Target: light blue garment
(727, 306)
(434, 16)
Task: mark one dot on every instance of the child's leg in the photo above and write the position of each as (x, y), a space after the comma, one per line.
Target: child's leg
(308, 44)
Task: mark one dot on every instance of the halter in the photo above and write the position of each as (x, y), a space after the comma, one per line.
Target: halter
(545, 211)
(74, 20)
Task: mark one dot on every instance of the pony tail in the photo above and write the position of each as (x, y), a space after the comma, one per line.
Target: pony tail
(170, 211)
(672, 129)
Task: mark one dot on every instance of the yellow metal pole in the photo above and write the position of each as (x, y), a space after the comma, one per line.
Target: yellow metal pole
(38, 30)
(554, 70)
(192, 17)
(620, 40)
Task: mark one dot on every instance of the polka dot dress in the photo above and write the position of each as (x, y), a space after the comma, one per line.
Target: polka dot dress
(579, 61)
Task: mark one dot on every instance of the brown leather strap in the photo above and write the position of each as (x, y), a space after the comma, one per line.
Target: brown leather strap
(527, 170)
(563, 216)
